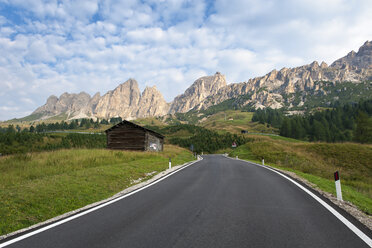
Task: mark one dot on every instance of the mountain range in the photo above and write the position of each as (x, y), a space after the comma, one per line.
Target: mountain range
(291, 88)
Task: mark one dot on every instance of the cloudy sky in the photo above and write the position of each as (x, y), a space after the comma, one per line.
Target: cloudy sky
(51, 47)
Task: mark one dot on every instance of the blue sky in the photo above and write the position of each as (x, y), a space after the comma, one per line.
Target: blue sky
(51, 47)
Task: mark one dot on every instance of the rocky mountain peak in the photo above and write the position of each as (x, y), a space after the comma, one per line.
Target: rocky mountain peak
(152, 103)
(323, 65)
(52, 99)
(96, 96)
(367, 46)
(275, 89)
(130, 85)
(119, 102)
(149, 90)
(314, 65)
(197, 92)
(361, 59)
(66, 103)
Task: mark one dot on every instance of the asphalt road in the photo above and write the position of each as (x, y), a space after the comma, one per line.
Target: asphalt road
(217, 202)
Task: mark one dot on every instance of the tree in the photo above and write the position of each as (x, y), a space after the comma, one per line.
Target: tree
(10, 129)
(363, 130)
(319, 132)
(298, 131)
(286, 129)
(104, 121)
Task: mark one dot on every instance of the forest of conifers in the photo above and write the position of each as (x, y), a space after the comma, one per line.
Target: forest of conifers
(349, 122)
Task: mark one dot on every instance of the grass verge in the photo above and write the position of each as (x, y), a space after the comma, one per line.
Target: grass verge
(317, 162)
(38, 186)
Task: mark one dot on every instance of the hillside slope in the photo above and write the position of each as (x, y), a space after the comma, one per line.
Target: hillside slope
(319, 160)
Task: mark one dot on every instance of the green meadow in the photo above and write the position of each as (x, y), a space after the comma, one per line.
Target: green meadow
(35, 187)
(317, 162)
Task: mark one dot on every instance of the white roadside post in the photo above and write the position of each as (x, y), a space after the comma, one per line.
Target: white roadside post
(338, 186)
(170, 163)
(263, 161)
(236, 157)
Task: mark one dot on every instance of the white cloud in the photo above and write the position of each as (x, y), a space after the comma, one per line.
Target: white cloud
(57, 46)
(2, 20)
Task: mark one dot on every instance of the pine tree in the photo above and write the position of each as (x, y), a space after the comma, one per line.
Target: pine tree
(363, 130)
(286, 128)
(319, 132)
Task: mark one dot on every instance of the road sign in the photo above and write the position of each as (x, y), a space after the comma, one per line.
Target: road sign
(233, 145)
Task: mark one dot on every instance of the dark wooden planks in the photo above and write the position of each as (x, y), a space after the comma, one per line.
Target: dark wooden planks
(132, 137)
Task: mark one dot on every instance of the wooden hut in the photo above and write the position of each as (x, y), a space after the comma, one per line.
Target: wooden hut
(129, 136)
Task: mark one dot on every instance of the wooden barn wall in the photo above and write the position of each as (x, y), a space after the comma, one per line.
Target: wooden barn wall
(126, 137)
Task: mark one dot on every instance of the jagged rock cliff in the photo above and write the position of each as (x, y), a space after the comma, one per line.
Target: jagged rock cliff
(275, 89)
(361, 59)
(271, 89)
(197, 92)
(152, 103)
(81, 105)
(125, 101)
(121, 101)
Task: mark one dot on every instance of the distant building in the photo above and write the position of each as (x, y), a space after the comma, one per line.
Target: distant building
(129, 136)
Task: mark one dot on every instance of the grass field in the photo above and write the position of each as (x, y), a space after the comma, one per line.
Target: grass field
(317, 162)
(38, 186)
(234, 122)
(149, 121)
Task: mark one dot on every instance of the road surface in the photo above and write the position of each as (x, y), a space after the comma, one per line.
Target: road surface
(217, 202)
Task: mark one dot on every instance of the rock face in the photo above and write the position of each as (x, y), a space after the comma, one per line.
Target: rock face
(152, 103)
(71, 104)
(361, 59)
(271, 89)
(275, 89)
(197, 92)
(121, 101)
(125, 101)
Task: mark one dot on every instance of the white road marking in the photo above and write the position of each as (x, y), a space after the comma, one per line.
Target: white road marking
(90, 210)
(347, 223)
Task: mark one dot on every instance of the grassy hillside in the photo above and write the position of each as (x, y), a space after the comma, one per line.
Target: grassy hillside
(150, 121)
(23, 142)
(317, 162)
(36, 118)
(234, 122)
(38, 186)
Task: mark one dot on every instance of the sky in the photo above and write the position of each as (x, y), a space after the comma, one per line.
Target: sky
(51, 47)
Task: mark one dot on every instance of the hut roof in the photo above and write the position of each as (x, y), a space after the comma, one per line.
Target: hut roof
(134, 125)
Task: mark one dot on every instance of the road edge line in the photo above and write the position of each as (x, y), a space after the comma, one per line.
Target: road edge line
(339, 216)
(76, 214)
